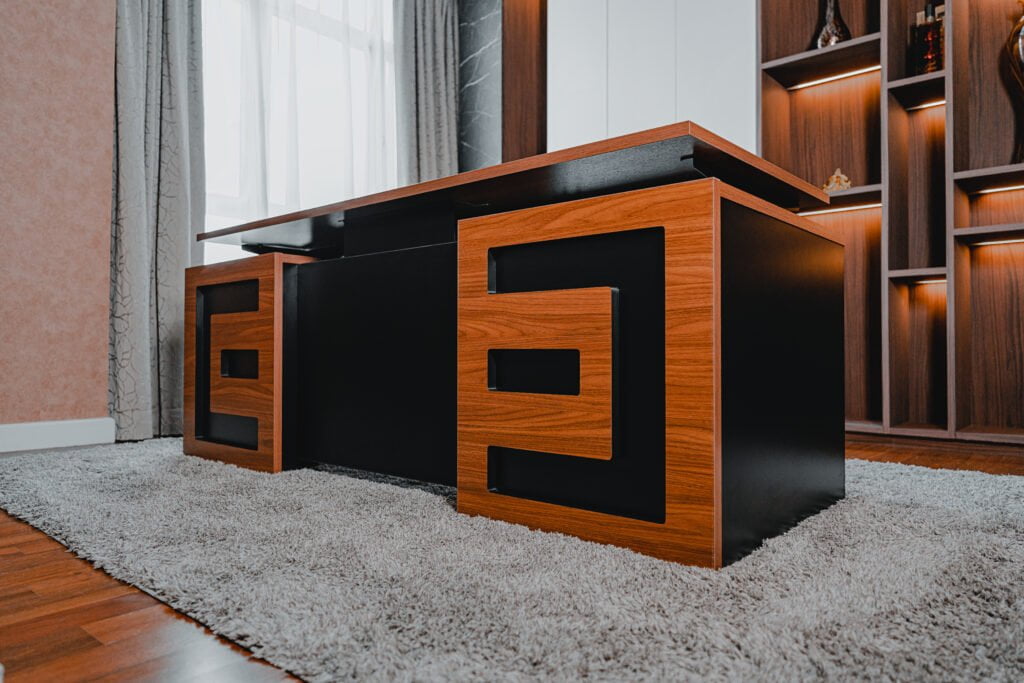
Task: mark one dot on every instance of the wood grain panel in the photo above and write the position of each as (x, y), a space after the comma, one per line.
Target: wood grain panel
(524, 82)
(261, 330)
(986, 137)
(997, 337)
(918, 355)
(834, 125)
(560, 319)
(689, 214)
(861, 231)
(998, 208)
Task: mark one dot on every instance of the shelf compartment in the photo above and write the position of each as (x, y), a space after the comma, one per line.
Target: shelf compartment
(989, 333)
(919, 91)
(983, 108)
(900, 17)
(917, 355)
(861, 231)
(792, 26)
(975, 204)
(827, 62)
(797, 123)
(916, 206)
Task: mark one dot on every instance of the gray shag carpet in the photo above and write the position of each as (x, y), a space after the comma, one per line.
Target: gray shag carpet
(917, 574)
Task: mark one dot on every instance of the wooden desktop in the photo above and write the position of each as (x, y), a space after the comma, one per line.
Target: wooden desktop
(634, 341)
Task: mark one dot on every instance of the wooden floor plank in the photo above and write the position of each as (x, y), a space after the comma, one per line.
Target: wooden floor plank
(62, 619)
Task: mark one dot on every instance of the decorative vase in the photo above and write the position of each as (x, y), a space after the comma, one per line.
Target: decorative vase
(1014, 54)
(835, 30)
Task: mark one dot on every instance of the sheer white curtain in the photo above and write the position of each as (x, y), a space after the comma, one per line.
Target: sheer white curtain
(299, 106)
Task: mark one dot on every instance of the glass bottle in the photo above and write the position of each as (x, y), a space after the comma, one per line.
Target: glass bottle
(835, 30)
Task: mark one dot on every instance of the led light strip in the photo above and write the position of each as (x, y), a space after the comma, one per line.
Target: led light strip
(931, 282)
(1018, 240)
(837, 77)
(1001, 189)
(841, 209)
(928, 105)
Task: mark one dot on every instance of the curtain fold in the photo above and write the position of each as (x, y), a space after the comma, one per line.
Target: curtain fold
(158, 203)
(300, 104)
(427, 79)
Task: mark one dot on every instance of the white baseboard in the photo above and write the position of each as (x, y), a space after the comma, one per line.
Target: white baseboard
(30, 436)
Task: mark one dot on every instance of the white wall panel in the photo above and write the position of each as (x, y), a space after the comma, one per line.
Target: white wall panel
(641, 64)
(716, 70)
(577, 72)
(618, 66)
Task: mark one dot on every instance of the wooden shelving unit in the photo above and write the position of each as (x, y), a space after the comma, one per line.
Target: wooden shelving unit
(935, 258)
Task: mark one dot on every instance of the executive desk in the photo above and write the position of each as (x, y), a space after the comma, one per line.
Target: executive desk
(634, 341)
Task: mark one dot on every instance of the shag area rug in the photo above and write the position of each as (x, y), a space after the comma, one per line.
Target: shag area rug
(917, 574)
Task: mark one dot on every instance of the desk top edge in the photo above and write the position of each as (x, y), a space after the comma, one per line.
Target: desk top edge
(666, 132)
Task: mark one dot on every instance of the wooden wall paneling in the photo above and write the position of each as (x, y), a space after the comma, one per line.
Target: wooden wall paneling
(998, 208)
(899, 353)
(861, 231)
(774, 123)
(926, 188)
(523, 78)
(959, 89)
(960, 343)
(260, 330)
(896, 173)
(983, 28)
(837, 124)
(997, 331)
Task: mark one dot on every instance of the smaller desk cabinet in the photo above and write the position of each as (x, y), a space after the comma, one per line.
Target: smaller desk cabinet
(237, 318)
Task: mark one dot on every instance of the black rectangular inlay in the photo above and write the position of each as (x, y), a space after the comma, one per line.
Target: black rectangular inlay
(632, 263)
(234, 430)
(534, 371)
(240, 363)
(229, 297)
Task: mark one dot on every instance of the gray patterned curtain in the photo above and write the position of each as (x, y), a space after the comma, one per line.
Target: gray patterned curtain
(427, 80)
(158, 201)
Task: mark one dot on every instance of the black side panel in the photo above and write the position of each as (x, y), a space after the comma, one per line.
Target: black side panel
(782, 377)
(534, 371)
(230, 297)
(632, 482)
(376, 362)
(290, 365)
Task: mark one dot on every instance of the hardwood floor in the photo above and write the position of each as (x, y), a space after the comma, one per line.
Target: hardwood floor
(63, 620)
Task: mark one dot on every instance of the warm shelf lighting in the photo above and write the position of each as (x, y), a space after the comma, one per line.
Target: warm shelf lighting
(841, 209)
(1008, 188)
(837, 77)
(931, 282)
(1017, 240)
(928, 105)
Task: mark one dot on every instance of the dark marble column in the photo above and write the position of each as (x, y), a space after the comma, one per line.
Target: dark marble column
(479, 83)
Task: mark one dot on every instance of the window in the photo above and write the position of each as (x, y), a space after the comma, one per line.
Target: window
(299, 99)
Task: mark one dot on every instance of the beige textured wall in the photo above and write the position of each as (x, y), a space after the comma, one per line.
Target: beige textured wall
(56, 118)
